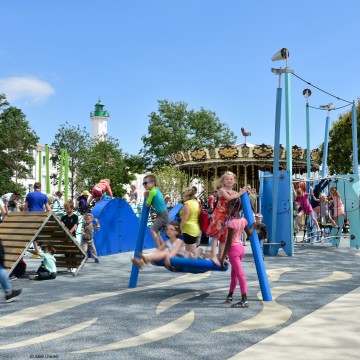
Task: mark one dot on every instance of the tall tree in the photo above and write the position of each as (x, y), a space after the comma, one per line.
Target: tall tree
(340, 160)
(17, 143)
(105, 160)
(76, 141)
(174, 127)
(171, 181)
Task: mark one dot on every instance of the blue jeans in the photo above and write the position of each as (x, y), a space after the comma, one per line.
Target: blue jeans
(4, 280)
(262, 245)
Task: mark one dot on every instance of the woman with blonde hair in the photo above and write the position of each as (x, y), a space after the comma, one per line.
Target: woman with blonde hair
(189, 224)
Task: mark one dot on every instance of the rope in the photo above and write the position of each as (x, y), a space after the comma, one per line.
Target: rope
(316, 87)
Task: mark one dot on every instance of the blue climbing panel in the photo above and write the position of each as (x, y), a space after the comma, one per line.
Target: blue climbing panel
(283, 216)
(119, 227)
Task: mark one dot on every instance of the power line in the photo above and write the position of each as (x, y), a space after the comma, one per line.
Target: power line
(316, 87)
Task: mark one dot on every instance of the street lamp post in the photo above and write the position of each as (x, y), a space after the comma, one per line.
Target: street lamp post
(307, 94)
(327, 107)
(283, 54)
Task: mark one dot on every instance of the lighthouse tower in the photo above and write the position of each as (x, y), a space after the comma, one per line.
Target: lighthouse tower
(99, 119)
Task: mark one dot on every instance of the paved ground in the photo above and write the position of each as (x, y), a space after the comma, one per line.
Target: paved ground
(314, 313)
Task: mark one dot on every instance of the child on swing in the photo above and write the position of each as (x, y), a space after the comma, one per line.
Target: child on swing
(324, 210)
(165, 249)
(235, 248)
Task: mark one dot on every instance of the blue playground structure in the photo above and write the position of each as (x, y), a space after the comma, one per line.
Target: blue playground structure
(119, 228)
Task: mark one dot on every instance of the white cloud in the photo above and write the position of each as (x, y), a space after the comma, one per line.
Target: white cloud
(28, 88)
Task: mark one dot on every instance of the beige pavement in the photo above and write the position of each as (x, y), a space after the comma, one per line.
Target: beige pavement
(331, 332)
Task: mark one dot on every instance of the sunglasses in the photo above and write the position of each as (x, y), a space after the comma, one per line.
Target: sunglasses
(147, 182)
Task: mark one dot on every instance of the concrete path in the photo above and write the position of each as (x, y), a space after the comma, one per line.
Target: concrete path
(314, 313)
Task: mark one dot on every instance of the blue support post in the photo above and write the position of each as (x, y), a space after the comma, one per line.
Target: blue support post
(325, 153)
(276, 163)
(355, 141)
(255, 246)
(308, 150)
(289, 149)
(139, 244)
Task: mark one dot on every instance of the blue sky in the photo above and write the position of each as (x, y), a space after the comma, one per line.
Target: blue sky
(58, 57)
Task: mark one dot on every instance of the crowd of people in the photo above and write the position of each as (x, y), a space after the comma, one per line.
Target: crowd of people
(227, 229)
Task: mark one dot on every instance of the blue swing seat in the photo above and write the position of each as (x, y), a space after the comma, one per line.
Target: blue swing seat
(194, 266)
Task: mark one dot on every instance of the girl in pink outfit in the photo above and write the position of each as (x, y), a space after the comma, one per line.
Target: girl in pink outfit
(339, 209)
(100, 188)
(302, 198)
(235, 248)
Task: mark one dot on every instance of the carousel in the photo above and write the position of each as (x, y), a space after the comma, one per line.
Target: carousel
(245, 160)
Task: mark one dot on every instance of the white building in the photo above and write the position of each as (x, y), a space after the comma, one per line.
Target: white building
(39, 156)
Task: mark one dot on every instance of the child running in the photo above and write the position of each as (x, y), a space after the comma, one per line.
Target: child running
(155, 198)
(217, 229)
(87, 241)
(302, 198)
(165, 249)
(236, 251)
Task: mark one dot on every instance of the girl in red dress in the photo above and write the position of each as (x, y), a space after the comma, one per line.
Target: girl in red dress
(217, 229)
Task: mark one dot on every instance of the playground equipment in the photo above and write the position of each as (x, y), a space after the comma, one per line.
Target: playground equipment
(196, 265)
(119, 226)
(21, 229)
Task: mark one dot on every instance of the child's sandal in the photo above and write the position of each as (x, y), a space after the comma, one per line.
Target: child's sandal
(137, 262)
(241, 304)
(143, 258)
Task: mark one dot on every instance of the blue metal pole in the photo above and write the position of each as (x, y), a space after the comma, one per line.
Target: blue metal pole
(139, 244)
(354, 140)
(289, 153)
(326, 145)
(308, 150)
(276, 163)
(255, 246)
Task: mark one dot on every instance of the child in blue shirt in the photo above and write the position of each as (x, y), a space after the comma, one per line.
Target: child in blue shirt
(155, 198)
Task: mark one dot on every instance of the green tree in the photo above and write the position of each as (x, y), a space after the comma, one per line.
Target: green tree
(340, 160)
(17, 143)
(171, 181)
(174, 127)
(76, 141)
(105, 160)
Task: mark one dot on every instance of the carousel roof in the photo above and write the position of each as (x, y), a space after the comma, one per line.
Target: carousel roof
(240, 153)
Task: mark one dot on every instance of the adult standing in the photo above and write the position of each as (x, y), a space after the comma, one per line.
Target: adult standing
(253, 198)
(102, 187)
(189, 224)
(83, 202)
(11, 201)
(36, 200)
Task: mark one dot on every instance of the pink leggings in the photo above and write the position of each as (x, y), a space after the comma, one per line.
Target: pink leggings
(236, 253)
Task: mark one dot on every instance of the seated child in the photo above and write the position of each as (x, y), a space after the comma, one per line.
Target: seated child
(47, 269)
(87, 241)
(165, 249)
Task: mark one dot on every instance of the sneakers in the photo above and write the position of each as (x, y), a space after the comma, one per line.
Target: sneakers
(33, 277)
(10, 298)
(13, 278)
(97, 261)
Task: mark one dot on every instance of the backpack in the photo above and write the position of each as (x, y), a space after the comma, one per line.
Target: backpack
(204, 220)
